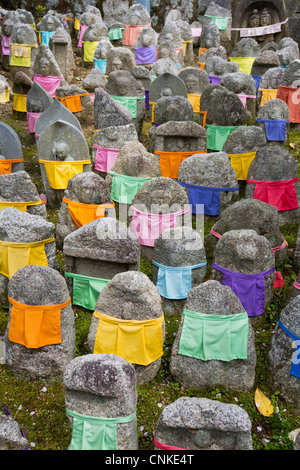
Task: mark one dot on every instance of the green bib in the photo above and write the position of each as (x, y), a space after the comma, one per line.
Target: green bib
(93, 433)
(220, 21)
(124, 187)
(214, 337)
(217, 135)
(130, 102)
(115, 33)
(86, 290)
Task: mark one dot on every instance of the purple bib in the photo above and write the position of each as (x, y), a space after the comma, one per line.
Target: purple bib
(250, 288)
(145, 55)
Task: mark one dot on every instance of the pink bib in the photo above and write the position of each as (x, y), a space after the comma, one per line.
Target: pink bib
(83, 27)
(297, 285)
(162, 446)
(105, 158)
(5, 45)
(131, 34)
(48, 83)
(31, 121)
(243, 98)
(147, 227)
(280, 194)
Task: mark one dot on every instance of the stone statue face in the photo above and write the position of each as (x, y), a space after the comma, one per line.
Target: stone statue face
(147, 39)
(60, 150)
(123, 85)
(168, 36)
(7, 29)
(265, 18)
(163, 52)
(166, 91)
(36, 105)
(44, 67)
(135, 18)
(212, 36)
(50, 26)
(254, 20)
(116, 64)
(192, 83)
(20, 36)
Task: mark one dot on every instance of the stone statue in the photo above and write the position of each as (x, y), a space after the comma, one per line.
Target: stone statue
(210, 36)
(261, 19)
(61, 151)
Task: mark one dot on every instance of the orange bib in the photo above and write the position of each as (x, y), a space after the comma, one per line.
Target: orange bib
(6, 165)
(73, 103)
(35, 326)
(170, 161)
(267, 94)
(83, 214)
(201, 50)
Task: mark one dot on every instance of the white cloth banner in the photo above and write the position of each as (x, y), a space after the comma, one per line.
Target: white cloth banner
(260, 31)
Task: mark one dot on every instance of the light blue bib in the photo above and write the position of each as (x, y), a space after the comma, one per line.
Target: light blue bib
(45, 36)
(175, 282)
(100, 64)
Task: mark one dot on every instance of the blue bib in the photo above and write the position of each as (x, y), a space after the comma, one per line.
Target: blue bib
(175, 282)
(209, 197)
(275, 129)
(100, 64)
(257, 81)
(295, 369)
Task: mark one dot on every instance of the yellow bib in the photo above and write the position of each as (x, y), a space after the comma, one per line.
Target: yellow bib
(138, 342)
(244, 63)
(83, 214)
(59, 172)
(184, 43)
(35, 326)
(19, 103)
(22, 206)
(152, 103)
(89, 50)
(14, 256)
(241, 162)
(77, 24)
(20, 54)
